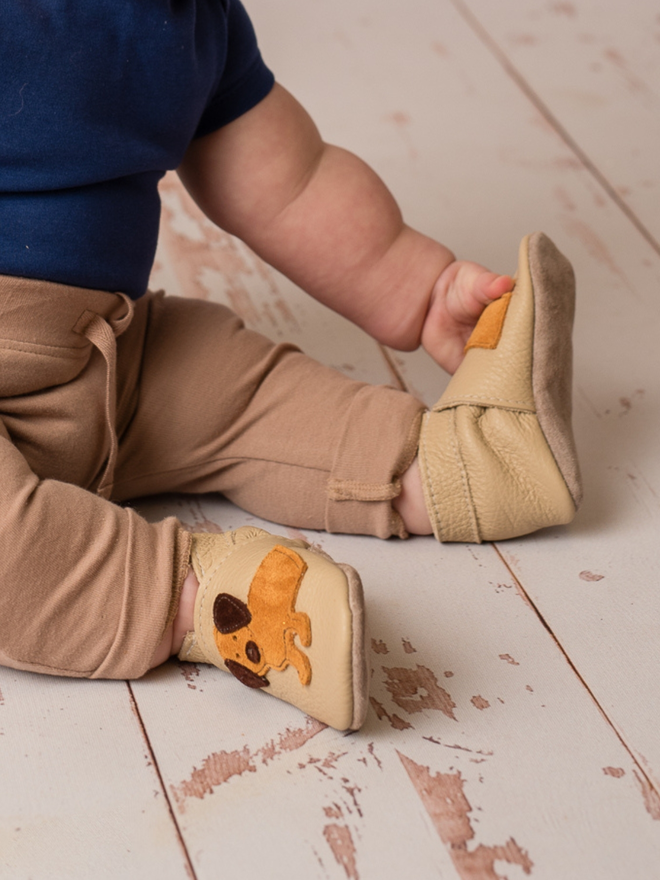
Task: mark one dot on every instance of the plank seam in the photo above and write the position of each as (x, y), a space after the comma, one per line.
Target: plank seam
(479, 30)
(610, 722)
(152, 757)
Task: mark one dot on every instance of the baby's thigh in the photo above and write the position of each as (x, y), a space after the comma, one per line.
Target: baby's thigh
(54, 383)
(206, 383)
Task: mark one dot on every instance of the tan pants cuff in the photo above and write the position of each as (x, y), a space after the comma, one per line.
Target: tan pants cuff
(378, 444)
(140, 632)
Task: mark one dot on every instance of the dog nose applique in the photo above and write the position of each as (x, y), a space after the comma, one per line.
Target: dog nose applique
(256, 637)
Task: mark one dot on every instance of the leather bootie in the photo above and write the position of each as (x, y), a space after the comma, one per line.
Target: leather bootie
(282, 617)
(496, 453)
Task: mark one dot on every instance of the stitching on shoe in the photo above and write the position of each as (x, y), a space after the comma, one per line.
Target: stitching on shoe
(428, 482)
(465, 481)
(199, 635)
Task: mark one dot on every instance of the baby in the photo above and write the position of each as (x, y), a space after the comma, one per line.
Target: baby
(108, 392)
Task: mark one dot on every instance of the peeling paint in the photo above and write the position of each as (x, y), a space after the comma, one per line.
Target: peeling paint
(509, 659)
(400, 118)
(324, 765)
(370, 749)
(626, 403)
(443, 797)
(437, 742)
(381, 712)
(405, 684)
(379, 647)
(340, 841)
(220, 767)
(564, 8)
(190, 671)
(479, 702)
(407, 647)
(352, 791)
(650, 795)
(208, 262)
(590, 576)
(616, 772)
(333, 812)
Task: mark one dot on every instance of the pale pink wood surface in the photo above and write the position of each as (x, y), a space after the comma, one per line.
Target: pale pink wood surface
(513, 724)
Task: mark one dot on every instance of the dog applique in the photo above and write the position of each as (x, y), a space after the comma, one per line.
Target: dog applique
(256, 637)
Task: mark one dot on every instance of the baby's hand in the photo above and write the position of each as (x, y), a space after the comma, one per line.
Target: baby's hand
(459, 297)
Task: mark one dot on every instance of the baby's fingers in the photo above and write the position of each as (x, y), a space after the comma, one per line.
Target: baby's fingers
(490, 286)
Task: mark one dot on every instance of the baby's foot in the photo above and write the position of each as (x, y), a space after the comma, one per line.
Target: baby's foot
(459, 297)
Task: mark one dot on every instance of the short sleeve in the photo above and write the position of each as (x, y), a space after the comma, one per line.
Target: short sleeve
(245, 79)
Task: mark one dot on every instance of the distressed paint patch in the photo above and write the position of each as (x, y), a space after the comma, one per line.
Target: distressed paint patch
(407, 647)
(220, 767)
(381, 712)
(616, 772)
(437, 742)
(590, 576)
(509, 659)
(190, 672)
(379, 647)
(650, 795)
(480, 703)
(443, 797)
(207, 260)
(414, 690)
(340, 841)
(323, 765)
(372, 752)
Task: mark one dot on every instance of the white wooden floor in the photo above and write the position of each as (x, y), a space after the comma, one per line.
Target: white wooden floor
(515, 720)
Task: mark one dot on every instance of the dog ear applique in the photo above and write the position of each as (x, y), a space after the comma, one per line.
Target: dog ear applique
(230, 614)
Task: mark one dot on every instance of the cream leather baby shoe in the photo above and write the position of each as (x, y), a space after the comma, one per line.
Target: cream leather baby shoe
(282, 617)
(496, 453)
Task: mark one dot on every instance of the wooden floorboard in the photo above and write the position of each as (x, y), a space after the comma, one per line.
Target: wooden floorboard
(513, 723)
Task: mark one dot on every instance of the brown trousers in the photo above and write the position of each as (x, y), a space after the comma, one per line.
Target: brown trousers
(103, 400)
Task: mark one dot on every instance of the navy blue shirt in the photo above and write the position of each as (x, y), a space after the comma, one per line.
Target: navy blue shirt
(98, 99)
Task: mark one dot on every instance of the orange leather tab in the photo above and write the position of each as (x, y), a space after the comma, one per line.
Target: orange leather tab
(488, 331)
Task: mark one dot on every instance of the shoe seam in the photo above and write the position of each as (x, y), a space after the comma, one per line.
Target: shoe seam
(465, 481)
(451, 404)
(428, 483)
